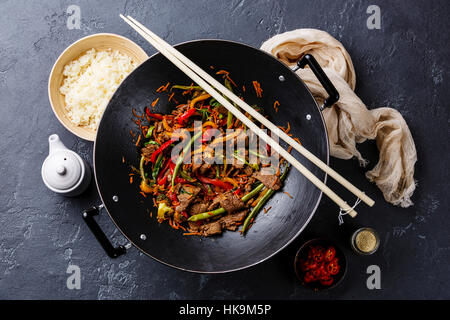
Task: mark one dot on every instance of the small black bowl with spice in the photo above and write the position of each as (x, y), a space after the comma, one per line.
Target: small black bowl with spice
(320, 264)
(365, 241)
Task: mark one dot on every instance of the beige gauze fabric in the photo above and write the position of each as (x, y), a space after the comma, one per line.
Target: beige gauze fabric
(349, 121)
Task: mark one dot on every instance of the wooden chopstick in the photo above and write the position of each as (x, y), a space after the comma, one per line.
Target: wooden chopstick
(182, 63)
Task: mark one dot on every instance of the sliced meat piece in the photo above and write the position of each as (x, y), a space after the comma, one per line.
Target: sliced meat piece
(148, 150)
(221, 109)
(184, 199)
(163, 137)
(214, 204)
(201, 168)
(229, 221)
(207, 229)
(194, 226)
(210, 229)
(271, 181)
(197, 208)
(230, 202)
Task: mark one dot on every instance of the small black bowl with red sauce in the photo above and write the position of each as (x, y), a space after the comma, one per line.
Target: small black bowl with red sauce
(320, 264)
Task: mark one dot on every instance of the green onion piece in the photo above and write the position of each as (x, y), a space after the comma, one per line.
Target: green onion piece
(157, 167)
(183, 154)
(187, 87)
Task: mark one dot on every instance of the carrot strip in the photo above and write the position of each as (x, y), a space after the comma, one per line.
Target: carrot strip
(275, 105)
(288, 194)
(155, 102)
(223, 72)
(138, 140)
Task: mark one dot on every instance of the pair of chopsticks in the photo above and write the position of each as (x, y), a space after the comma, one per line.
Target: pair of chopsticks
(213, 87)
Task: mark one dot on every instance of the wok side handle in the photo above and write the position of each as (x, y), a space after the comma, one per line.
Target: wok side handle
(333, 95)
(88, 217)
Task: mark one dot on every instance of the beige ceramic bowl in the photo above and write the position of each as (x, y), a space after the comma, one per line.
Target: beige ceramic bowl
(99, 41)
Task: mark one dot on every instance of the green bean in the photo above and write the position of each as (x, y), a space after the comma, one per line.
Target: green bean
(209, 214)
(183, 155)
(141, 170)
(260, 204)
(187, 87)
(253, 193)
(206, 215)
(157, 166)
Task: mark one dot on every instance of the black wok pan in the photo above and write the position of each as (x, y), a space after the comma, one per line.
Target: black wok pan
(231, 251)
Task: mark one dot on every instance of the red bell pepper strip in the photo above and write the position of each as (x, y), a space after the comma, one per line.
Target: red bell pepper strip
(180, 180)
(156, 116)
(162, 181)
(160, 149)
(216, 182)
(185, 116)
(164, 169)
(172, 167)
(173, 197)
(238, 191)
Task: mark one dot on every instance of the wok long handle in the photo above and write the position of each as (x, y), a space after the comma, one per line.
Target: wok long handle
(333, 95)
(88, 217)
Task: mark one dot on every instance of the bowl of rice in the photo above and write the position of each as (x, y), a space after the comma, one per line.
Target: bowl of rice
(86, 75)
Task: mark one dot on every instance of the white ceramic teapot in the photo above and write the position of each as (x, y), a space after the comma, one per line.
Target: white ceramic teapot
(64, 171)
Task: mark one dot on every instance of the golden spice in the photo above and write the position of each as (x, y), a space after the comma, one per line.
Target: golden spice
(366, 241)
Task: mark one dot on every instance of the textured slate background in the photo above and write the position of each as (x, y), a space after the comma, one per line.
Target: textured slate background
(403, 65)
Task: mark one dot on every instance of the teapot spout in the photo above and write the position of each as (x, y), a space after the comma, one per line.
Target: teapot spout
(55, 143)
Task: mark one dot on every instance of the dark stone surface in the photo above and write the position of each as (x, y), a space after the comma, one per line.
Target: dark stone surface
(403, 65)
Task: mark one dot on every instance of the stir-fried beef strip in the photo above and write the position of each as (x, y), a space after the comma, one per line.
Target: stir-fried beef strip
(229, 221)
(270, 181)
(197, 208)
(207, 229)
(148, 150)
(230, 202)
(202, 168)
(222, 110)
(185, 198)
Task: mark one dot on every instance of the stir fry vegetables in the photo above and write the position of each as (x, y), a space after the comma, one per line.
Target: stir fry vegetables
(216, 193)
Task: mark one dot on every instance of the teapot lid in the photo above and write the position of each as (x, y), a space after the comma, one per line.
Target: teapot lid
(62, 169)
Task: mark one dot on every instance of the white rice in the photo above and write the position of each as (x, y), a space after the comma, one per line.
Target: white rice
(89, 83)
